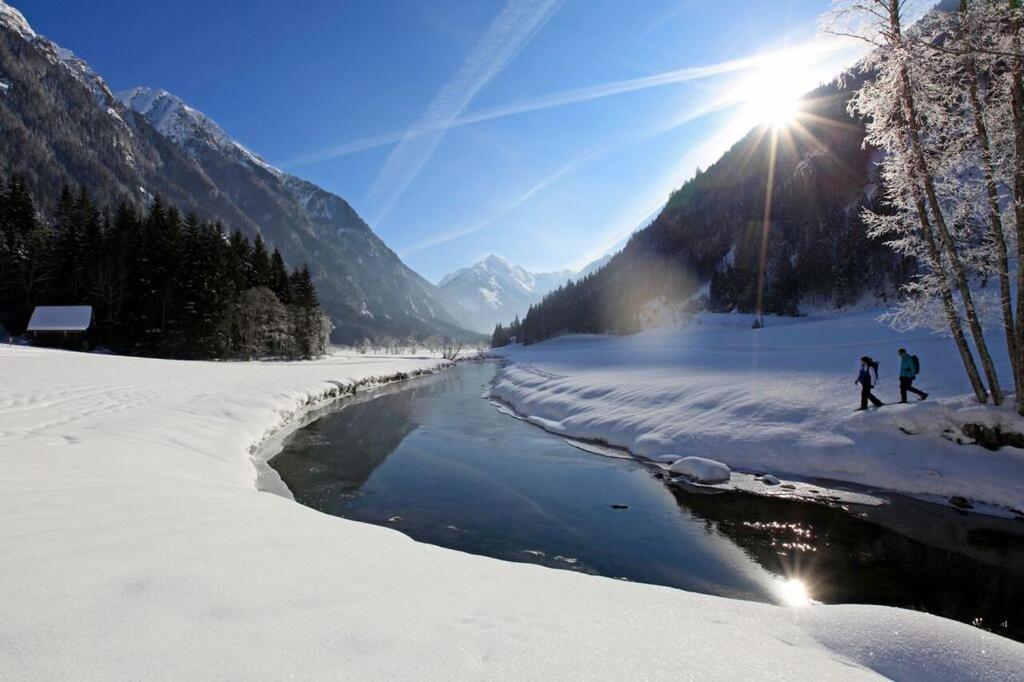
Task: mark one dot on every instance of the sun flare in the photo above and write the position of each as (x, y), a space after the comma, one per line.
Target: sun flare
(794, 592)
(779, 112)
(771, 94)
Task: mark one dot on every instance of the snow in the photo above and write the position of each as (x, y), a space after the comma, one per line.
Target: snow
(15, 20)
(187, 126)
(47, 318)
(84, 74)
(137, 545)
(495, 291)
(492, 297)
(777, 400)
(700, 469)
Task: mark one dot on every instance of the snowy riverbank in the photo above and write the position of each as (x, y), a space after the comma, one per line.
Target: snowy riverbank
(137, 545)
(776, 400)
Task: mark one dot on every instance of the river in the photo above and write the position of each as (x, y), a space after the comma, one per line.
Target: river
(436, 460)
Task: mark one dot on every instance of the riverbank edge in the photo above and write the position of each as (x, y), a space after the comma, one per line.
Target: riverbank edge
(316, 405)
(976, 504)
(189, 559)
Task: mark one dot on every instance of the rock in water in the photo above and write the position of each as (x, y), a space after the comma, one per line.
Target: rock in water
(960, 502)
(701, 470)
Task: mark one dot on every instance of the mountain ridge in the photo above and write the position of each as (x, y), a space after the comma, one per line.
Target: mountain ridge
(494, 290)
(704, 249)
(64, 126)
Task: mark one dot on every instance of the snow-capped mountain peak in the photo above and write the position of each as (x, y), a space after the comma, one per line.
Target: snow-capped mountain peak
(14, 20)
(495, 290)
(189, 127)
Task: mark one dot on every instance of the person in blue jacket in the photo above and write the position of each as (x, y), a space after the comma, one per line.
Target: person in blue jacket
(867, 365)
(909, 369)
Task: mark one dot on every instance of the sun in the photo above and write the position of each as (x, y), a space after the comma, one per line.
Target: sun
(771, 94)
(773, 98)
(779, 111)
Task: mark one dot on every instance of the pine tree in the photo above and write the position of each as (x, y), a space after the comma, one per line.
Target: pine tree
(279, 282)
(25, 268)
(67, 249)
(159, 285)
(260, 271)
(303, 292)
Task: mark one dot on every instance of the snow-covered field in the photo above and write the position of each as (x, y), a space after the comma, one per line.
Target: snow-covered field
(777, 400)
(135, 545)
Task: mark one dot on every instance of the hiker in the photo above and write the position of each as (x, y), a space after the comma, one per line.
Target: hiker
(910, 367)
(867, 365)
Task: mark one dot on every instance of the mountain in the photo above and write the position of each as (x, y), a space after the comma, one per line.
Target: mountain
(704, 248)
(494, 290)
(592, 267)
(63, 125)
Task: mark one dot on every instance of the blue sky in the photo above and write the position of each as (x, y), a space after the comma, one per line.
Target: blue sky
(540, 130)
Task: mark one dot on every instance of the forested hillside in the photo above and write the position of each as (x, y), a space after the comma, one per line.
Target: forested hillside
(160, 284)
(705, 247)
(63, 126)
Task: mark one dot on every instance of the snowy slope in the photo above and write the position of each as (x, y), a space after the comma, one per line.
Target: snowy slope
(136, 545)
(495, 290)
(777, 400)
(14, 19)
(189, 127)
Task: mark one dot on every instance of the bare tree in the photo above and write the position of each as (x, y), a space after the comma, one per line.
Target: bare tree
(261, 325)
(450, 348)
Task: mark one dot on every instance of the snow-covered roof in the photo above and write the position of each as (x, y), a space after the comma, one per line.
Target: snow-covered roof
(60, 318)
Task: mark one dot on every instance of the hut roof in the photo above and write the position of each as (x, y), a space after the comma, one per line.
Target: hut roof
(60, 318)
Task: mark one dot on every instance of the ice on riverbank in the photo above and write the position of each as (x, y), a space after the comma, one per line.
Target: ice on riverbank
(136, 545)
(779, 399)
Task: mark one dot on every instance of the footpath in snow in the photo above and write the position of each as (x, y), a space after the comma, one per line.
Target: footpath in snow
(779, 400)
(137, 545)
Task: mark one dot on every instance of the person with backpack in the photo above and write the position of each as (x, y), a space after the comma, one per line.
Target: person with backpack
(910, 367)
(867, 365)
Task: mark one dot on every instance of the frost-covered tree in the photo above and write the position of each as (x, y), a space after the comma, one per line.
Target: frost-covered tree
(923, 108)
(963, 49)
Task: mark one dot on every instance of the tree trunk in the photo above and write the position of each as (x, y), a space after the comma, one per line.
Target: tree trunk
(1017, 92)
(921, 166)
(995, 217)
(947, 302)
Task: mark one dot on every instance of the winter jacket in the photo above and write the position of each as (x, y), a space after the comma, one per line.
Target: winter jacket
(864, 378)
(907, 367)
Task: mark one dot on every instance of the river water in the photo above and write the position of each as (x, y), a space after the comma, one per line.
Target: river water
(435, 460)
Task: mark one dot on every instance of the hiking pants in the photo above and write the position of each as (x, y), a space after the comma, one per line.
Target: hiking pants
(866, 395)
(907, 384)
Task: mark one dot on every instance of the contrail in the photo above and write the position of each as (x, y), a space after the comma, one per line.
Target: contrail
(451, 235)
(514, 27)
(557, 99)
(561, 172)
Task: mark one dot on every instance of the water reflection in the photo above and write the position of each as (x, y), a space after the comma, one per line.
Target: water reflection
(331, 459)
(909, 554)
(443, 466)
(794, 592)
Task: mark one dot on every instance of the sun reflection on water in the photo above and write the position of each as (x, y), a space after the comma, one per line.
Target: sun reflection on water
(794, 592)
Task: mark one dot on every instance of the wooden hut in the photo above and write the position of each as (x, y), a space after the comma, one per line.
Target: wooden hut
(61, 326)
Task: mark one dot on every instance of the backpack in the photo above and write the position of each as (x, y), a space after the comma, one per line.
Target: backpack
(917, 364)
